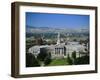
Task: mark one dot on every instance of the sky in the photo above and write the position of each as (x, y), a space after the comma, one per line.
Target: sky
(57, 20)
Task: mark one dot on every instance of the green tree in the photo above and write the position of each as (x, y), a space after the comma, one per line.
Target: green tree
(83, 60)
(74, 56)
(31, 61)
(47, 59)
(44, 57)
(39, 41)
(69, 60)
(74, 39)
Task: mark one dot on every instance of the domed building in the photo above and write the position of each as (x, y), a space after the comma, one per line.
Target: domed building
(59, 50)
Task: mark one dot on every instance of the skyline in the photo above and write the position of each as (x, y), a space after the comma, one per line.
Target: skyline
(57, 20)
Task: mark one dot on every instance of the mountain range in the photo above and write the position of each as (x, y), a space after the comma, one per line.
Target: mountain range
(33, 29)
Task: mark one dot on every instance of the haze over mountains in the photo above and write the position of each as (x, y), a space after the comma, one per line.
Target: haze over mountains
(33, 29)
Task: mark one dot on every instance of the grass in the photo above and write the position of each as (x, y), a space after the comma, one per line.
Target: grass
(58, 62)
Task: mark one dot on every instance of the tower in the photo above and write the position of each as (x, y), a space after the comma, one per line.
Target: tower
(58, 41)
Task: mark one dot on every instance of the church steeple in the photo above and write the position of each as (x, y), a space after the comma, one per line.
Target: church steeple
(58, 40)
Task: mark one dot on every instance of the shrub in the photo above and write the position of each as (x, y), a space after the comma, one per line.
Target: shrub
(69, 60)
(31, 61)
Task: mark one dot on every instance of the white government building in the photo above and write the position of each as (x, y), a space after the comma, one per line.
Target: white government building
(60, 50)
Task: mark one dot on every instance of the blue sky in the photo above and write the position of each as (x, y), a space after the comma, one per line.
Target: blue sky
(57, 20)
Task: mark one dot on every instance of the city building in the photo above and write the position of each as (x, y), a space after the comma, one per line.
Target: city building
(59, 50)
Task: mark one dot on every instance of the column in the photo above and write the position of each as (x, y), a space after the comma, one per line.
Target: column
(62, 51)
(55, 51)
(58, 51)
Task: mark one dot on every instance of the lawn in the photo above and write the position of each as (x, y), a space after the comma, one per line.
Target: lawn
(58, 62)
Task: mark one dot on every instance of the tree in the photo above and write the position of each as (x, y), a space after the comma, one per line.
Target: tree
(69, 60)
(39, 41)
(81, 42)
(74, 39)
(31, 61)
(74, 56)
(47, 59)
(44, 57)
(82, 60)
